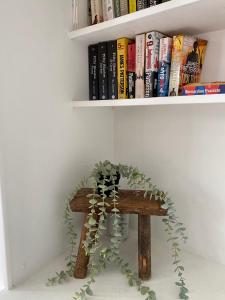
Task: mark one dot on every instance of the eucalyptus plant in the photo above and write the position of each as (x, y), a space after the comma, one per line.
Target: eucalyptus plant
(105, 184)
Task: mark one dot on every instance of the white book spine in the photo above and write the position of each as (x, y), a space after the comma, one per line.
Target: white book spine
(75, 24)
(140, 66)
(96, 11)
(108, 9)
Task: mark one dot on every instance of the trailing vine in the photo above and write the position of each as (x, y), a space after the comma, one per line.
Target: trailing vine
(104, 182)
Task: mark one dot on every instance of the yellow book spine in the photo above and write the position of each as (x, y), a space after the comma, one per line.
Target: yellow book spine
(132, 6)
(122, 50)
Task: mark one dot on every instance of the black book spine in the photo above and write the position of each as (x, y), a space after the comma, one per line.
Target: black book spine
(103, 71)
(93, 72)
(112, 70)
(154, 2)
(141, 4)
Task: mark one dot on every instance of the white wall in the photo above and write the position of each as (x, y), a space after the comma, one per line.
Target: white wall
(47, 146)
(182, 148)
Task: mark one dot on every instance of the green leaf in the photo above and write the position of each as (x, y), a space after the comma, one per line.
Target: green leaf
(92, 221)
(89, 291)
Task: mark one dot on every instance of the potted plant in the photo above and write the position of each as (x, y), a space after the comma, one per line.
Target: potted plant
(104, 181)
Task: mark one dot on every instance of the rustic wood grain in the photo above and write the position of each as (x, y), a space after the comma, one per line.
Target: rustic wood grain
(144, 247)
(130, 202)
(82, 261)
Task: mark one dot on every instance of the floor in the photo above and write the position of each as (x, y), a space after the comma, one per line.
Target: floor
(206, 280)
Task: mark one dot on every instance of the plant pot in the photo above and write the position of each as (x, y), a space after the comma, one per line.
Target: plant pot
(108, 184)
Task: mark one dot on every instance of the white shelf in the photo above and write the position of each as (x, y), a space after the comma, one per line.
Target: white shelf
(206, 99)
(175, 16)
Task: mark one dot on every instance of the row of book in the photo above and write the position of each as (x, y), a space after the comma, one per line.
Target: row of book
(104, 10)
(151, 65)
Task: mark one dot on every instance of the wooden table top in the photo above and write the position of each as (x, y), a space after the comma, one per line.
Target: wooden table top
(129, 202)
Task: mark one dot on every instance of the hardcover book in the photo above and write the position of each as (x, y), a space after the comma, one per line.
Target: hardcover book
(93, 72)
(152, 63)
(96, 11)
(165, 51)
(140, 66)
(141, 4)
(124, 10)
(108, 10)
(131, 70)
(210, 88)
(122, 51)
(132, 6)
(103, 71)
(117, 8)
(112, 70)
(188, 56)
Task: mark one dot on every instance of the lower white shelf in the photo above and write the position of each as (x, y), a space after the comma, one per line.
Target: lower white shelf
(205, 99)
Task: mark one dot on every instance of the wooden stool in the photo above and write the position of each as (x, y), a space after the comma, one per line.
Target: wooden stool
(129, 202)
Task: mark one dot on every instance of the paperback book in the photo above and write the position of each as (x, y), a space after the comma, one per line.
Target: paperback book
(165, 51)
(96, 11)
(132, 6)
(188, 56)
(103, 71)
(108, 10)
(140, 66)
(141, 4)
(117, 8)
(131, 70)
(112, 70)
(122, 52)
(93, 72)
(124, 9)
(152, 63)
(209, 88)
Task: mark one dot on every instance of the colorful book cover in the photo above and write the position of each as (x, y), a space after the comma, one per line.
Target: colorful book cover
(96, 11)
(188, 57)
(117, 8)
(132, 6)
(122, 51)
(154, 2)
(131, 70)
(152, 63)
(140, 66)
(112, 70)
(165, 51)
(124, 10)
(210, 88)
(103, 71)
(141, 4)
(93, 72)
(108, 10)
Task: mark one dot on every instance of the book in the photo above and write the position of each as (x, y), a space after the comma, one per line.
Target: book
(152, 63)
(124, 10)
(117, 8)
(140, 66)
(165, 51)
(75, 24)
(154, 2)
(103, 71)
(210, 88)
(112, 70)
(122, 51)
(108, 10)
(132, 6)
(188, 56)
(141, 4)
(96, 11)
(93, 72)
(131, 70)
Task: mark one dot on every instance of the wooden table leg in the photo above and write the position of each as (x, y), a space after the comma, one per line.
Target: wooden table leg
(144, 247)
(82, 261)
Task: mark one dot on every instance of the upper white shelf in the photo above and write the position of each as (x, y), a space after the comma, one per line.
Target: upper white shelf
(206, 99)
(175, 16)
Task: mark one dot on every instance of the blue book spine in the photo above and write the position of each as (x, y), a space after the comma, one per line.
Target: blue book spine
(163, 79)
